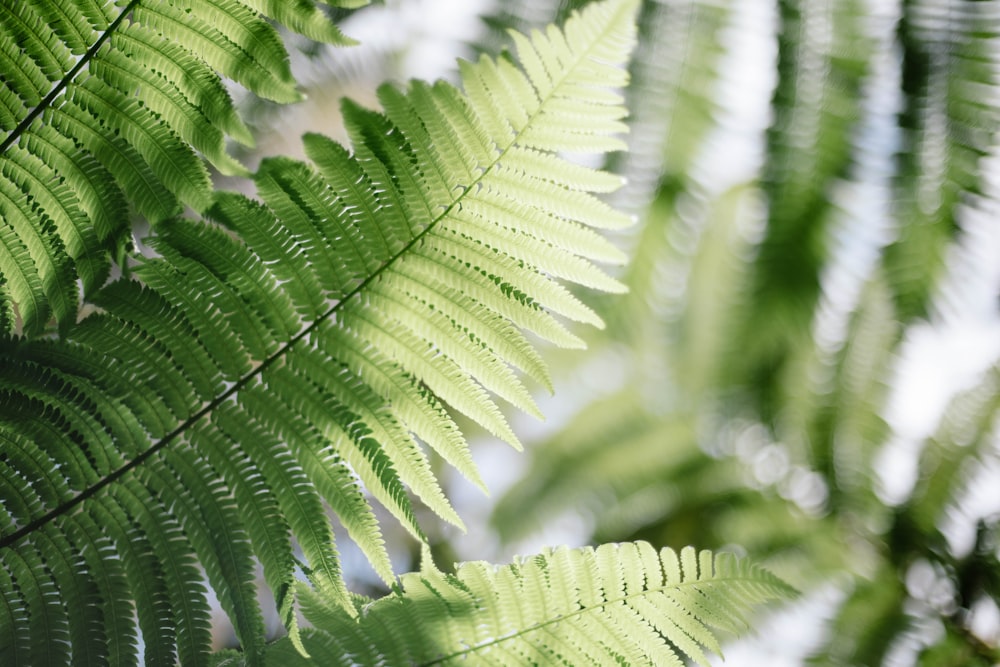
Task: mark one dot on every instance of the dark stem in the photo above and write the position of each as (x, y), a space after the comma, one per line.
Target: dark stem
(16, 133)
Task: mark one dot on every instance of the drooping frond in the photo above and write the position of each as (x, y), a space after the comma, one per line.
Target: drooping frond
(835, 420)
(871, 616)
(295, 352)
(567, 606)
(104, 110)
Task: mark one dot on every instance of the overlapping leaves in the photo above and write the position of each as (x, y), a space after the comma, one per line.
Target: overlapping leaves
(104, 108)
(297, 352)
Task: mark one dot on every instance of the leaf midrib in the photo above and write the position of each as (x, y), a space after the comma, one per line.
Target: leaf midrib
(208, 408)
(561, 618)
(57, 89)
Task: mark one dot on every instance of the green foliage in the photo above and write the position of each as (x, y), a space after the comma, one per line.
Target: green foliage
(564, 606)
(105, 107)
(273, 358)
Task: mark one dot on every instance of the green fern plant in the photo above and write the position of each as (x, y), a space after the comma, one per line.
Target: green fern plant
(275, 357)
(563, 606)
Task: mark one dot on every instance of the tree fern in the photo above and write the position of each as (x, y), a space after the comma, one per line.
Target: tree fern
(297, 351)
(564, 606)
(104, 107)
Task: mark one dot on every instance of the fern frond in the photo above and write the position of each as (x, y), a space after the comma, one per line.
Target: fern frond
(809, 144)
(620, 604)
(107, 103)
(951, 120)
(308, 348)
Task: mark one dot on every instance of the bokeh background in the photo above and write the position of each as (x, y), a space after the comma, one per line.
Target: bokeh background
(805, 368)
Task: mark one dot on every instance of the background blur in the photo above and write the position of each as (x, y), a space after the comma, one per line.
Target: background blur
(805, 369)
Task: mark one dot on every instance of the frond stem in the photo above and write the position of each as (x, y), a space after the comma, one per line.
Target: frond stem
(89, 492)
(26, 122)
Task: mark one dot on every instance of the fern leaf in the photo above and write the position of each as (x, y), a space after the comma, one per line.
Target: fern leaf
(46, 619)
(309, 347)
(105, 104)
(34, 264)
(618, 604)
(219, 540)
(144, 574)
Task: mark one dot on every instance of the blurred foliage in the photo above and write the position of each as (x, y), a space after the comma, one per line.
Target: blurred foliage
(773, 308)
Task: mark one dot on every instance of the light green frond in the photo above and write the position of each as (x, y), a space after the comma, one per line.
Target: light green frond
(308, 349)
(485, 327)
(528, 286)
(92, 184)
(67, 20)
(618, 604)
(380, 449)
(297, 498)
(333, 478)
(193, 77)
(419, 410)
(230, 39)
(169, 158)
(43, 46)
(107, 106)
(131, 174)
(430, 264)
(169, 105)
